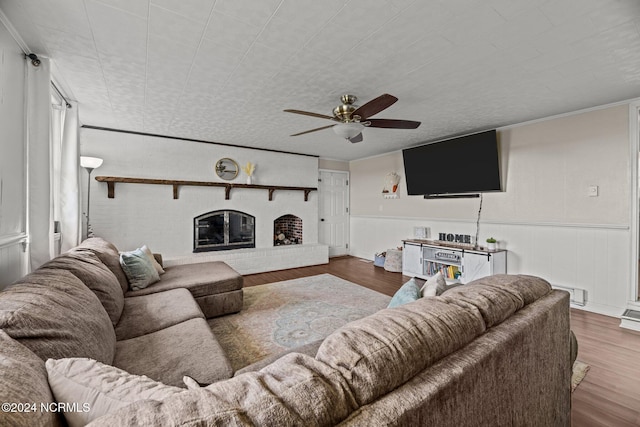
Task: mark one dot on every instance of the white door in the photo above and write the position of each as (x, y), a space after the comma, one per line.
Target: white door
(333, 204)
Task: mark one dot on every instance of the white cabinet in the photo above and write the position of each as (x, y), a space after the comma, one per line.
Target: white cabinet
(483, 264)
(421, 259)
(412, 259)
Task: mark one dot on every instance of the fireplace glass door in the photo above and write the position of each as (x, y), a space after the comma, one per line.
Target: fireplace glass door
(223, 230)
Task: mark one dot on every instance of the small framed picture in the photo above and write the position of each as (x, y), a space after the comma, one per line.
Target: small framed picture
(420, 232)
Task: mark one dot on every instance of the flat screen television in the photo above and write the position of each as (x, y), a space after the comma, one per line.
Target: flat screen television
(469, 164)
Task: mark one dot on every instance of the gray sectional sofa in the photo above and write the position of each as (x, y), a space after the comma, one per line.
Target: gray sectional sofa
(492, 353)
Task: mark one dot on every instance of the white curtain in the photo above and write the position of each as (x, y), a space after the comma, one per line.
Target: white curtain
(39, 166)
(69, 195)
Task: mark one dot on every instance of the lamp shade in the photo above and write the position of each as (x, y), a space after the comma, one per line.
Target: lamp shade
(90, 162)
(348, 130)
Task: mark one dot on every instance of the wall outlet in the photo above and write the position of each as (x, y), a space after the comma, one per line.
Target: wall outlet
(592, 191)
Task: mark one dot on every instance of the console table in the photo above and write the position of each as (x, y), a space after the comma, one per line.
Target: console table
(458, 264)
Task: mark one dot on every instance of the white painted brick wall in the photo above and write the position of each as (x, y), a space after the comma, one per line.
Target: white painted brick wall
(147, 214)
(249, 261)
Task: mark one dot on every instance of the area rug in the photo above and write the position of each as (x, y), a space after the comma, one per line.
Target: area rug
(580, 370)
(283, 315)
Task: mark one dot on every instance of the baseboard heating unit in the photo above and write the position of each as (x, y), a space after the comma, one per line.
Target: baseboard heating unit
(630, 319)
(578, 296)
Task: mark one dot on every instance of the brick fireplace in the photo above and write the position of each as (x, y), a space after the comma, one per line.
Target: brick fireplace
(287, 230)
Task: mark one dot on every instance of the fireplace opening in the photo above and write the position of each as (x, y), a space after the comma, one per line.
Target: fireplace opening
(223, 230)
(287, 230)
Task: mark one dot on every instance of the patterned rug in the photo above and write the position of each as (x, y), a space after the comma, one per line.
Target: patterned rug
(279, 316)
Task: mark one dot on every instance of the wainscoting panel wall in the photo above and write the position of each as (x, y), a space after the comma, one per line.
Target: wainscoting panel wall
(591, 257)
(545, 216)
(13, 190)
(13, 259)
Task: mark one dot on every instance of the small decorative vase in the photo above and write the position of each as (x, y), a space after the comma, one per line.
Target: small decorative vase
(491, 246)
(249, 179)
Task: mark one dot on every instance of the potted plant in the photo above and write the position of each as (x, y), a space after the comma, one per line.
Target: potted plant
(491, 243)
(249, 168)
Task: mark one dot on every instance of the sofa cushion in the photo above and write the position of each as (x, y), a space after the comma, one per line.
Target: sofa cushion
(309, 349)
(294, 391)
(109, 255)
(188, 348)
(380, 352)
(55, 315)
(86, 266)
(220, 304)
(24, 380)
(206, 278)
(149, 313)
(101, 388)
(139, 269)
(498, 297)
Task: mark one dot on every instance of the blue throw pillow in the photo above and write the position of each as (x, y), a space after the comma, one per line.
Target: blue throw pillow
(408, 292)
(139, 269)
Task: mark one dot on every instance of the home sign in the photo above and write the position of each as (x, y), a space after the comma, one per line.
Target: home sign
(454, 238)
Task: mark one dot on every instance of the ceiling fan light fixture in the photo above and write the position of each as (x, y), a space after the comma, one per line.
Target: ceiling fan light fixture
(348, 130)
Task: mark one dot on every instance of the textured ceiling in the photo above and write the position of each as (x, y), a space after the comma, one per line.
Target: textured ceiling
(223, 70)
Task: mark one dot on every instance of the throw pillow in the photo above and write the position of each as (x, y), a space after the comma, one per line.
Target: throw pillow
(408, 292)
(138, 268)
(191, 383)
(97, 389)
(434, 286)
(155, 263)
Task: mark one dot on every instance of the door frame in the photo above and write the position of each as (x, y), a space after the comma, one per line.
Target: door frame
(634, 143)
(348, 236)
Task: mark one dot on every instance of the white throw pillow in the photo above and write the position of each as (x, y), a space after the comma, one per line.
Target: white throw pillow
(155, 263)
(92, 389)
(190, 383)
(434, 286)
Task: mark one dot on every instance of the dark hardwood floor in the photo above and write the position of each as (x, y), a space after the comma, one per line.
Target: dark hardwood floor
(608, 396)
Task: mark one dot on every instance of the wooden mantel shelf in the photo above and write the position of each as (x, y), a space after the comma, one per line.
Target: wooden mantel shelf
(111, 184)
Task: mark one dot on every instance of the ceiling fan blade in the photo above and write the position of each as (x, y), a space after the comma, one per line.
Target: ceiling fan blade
(375, 106)
(313, 130)
(307, 113)
(357, 138)
(393, 124)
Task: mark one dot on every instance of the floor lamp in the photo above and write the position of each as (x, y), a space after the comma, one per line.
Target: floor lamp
(89, 163)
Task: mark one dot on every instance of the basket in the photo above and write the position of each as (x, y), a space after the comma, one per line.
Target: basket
(379, 260)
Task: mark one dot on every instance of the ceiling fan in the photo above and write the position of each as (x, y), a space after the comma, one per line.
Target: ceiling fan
(352, 118)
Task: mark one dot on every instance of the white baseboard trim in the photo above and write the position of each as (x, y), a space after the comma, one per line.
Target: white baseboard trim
(630, 319)
(605, 310)
(633, 325)
(578, 296)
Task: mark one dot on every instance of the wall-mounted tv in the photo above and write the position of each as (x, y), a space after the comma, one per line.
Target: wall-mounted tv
(469, 164)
